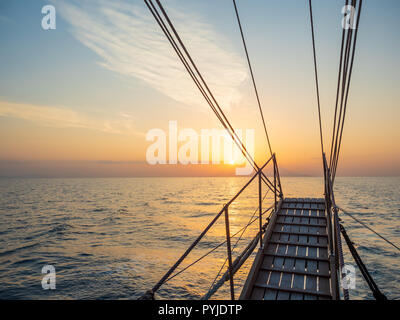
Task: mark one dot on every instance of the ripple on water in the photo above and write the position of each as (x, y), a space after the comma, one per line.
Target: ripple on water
(113, 239)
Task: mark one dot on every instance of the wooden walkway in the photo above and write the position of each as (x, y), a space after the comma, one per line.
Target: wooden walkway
(293, 263)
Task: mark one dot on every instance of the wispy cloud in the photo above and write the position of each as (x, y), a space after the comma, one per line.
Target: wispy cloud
(66, 118)
(128, 41)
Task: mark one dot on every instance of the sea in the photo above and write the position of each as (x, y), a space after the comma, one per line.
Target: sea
(114, 238)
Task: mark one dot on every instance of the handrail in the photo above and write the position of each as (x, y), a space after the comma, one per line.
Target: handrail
(275, 187)
(229, 251)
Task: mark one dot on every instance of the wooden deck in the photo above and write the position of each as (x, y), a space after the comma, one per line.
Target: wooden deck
(293, 263)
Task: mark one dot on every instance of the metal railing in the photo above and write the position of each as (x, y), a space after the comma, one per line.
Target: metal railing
(335, 242)
(335, 229)
(275, 186)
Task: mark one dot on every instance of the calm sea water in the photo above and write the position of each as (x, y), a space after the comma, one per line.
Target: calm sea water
(114, 238)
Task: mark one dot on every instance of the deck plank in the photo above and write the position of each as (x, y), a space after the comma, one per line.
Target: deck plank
(270, 294)
(258, 293)
(291, 270)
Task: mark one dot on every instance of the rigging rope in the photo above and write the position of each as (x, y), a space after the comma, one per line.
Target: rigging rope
(316, 76)
(346, 85)
(370, 281)
(219, 245)
(369, 228)
(343, 88)
(206, 92)
(338, 88)
(252, 75)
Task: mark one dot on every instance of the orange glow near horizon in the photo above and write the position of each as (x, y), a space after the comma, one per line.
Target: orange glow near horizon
(85, 107)
(298, 152)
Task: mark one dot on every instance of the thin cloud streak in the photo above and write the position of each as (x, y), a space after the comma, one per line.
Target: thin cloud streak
(129, 42)
(66, 118)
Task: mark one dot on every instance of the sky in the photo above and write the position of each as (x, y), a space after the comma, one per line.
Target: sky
(78, 101)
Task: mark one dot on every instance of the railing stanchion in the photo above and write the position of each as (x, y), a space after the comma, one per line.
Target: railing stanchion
(275, 180)
(278, 178)
(228, 246)
(260, 205)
